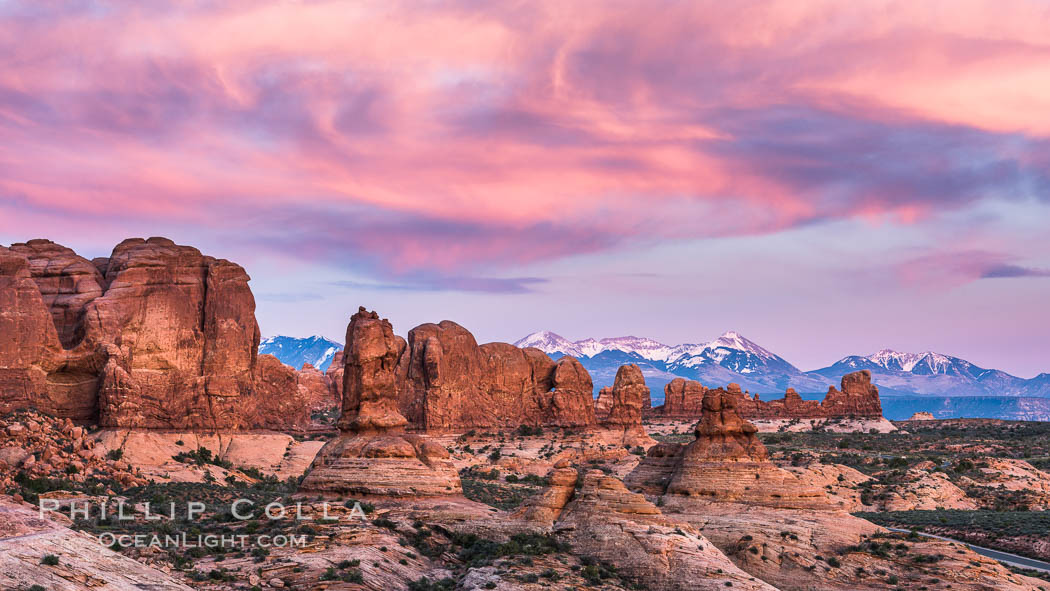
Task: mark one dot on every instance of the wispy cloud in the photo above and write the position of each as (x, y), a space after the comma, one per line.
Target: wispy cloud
(461, 139)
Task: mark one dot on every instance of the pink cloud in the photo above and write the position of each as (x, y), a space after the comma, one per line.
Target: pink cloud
(473, 131)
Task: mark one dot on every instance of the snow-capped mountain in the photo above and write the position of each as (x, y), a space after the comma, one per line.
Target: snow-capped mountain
(317, 351)
(733, 358)
(931, 373)
(729, 358)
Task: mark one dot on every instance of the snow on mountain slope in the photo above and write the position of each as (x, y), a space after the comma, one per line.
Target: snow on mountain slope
(550, 343)
(733, 358)
(931, 374)
(729, 358)
(317, 351)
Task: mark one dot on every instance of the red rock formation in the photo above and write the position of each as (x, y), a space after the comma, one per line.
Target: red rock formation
(682, 399)
(281, 399)
(726, 462)
(369, 381)
(315, 389)
(186, 324)
(610, 524)
(628, 394)
(625, 403)
(373, 455)
(67, 283)
(858, 399)
(155, 336)
(603, 403)
(447, 381)
(334, 376)
(29, 346)
(722, 434)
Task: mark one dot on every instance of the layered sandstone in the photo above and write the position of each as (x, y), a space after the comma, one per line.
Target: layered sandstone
(67, 283)
(446, 381)
(30, 350)
(682, 399)
(610, 524)
(771, 523)
(373, 455)
(83, 563)
(726, 462)
(157, 335)
(626, 401)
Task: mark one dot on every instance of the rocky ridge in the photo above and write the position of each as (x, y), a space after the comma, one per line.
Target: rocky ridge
(858, 398)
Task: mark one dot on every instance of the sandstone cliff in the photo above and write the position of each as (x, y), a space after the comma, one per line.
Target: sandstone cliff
(157, 335)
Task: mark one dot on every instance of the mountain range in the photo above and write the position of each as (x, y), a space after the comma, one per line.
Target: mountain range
(733, 358)
(317, 351)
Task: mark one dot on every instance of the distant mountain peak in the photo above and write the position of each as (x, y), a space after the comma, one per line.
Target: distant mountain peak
(316, 350)
(717, 351)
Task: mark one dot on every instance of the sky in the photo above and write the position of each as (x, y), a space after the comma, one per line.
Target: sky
(827, 178)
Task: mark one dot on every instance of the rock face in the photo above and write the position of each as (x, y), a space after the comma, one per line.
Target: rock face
(284, 399)
(155, 336)
(922, 416)
(334, 377)
(682, 399)
(67, 283)
(30, 350)
(26, 538)
(373, 455)
(447, 381)
(626, 401)
(858, 398)
(611, 524)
